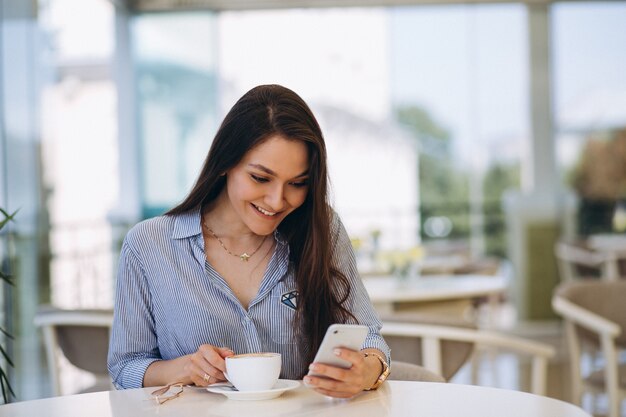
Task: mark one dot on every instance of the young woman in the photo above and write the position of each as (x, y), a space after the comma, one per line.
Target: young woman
(253, 260)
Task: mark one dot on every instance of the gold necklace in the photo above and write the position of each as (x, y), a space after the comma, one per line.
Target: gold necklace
(244, 256)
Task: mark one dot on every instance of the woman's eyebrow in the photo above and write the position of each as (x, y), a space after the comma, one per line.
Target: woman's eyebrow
(270, 172)
(262, 168)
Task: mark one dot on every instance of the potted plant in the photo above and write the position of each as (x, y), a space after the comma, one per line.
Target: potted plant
(5, 279)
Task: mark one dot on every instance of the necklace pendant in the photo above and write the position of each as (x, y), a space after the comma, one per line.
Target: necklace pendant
(244, 257)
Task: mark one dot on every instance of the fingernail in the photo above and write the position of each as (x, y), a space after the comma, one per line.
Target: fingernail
(337, 352)
(308, 380)
(312, 366)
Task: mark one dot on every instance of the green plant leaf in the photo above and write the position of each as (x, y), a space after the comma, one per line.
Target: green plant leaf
(6, 214)
(7, 217)
(6, 386)
(7, 334)
(6, 357)
(4, 391)
(6, 278)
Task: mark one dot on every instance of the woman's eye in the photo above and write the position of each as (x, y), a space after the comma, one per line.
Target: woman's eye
(300, 184)
(258, 179)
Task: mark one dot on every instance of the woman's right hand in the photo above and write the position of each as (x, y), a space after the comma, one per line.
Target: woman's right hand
(207, 365)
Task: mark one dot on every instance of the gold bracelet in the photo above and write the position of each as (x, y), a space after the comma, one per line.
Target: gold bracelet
(383, 375)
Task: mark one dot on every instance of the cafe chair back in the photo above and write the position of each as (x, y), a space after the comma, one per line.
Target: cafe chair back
(82, 337)
(594, 315)
(403, 371)
(433, 337)
(409, 349)
(576, 262)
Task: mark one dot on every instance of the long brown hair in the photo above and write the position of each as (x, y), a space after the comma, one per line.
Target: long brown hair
(262, 112)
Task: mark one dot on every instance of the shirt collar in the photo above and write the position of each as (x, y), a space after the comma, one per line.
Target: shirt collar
(279, 238)
(187, 224)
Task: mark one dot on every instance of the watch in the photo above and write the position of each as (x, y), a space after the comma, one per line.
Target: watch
(383, 375)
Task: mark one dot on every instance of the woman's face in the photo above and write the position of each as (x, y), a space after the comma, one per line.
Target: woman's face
(269, 182)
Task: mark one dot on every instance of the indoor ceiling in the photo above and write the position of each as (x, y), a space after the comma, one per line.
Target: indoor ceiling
(163, 5)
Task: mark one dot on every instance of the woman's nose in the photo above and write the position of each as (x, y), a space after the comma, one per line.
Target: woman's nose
(276, 198)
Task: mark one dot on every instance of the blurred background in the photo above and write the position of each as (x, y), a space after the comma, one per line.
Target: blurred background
(490, 129)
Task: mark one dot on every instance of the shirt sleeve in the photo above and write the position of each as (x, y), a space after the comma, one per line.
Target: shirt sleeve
(133, 345)
(358, 301)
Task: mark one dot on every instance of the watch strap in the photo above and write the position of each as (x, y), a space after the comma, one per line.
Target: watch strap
(383, 375)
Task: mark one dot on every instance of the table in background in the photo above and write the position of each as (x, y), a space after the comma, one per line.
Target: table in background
(387, 292)
(394, 399)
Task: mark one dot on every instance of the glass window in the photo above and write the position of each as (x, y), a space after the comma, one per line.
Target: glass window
(459, 85)
(589, 58)
(176, 100)
(79, 127)
(78, 99)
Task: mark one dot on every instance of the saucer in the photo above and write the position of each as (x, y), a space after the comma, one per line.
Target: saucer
(281, 386)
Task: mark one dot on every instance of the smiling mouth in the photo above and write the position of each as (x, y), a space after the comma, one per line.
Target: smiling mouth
(263, 211)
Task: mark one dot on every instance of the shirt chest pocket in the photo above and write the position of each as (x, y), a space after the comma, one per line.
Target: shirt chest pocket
(282, 316)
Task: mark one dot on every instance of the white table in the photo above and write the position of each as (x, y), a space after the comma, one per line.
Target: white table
(385, 291)
(394, 399)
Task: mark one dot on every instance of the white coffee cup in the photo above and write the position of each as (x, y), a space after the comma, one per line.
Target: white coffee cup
(253, 371)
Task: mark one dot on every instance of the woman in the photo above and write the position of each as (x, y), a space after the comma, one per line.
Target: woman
(254, 259)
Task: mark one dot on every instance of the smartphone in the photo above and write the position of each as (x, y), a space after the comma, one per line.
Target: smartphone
(350, 336)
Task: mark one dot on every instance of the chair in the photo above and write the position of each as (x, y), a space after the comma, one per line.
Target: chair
(82, 336)
(595, 318)
(575, 261)
(433, 337)
(403, 371)
(409, 349)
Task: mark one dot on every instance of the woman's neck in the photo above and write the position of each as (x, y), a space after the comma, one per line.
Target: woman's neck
(220, 217)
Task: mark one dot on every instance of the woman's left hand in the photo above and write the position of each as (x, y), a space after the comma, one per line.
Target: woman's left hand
(341, 382)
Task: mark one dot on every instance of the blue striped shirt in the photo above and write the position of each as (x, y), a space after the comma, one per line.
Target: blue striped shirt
(169, 301)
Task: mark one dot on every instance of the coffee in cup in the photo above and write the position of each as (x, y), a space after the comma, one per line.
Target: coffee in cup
(253, 371)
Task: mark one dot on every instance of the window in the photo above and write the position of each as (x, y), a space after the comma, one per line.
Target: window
(459, 84)
(176, 83)
(589, 45)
